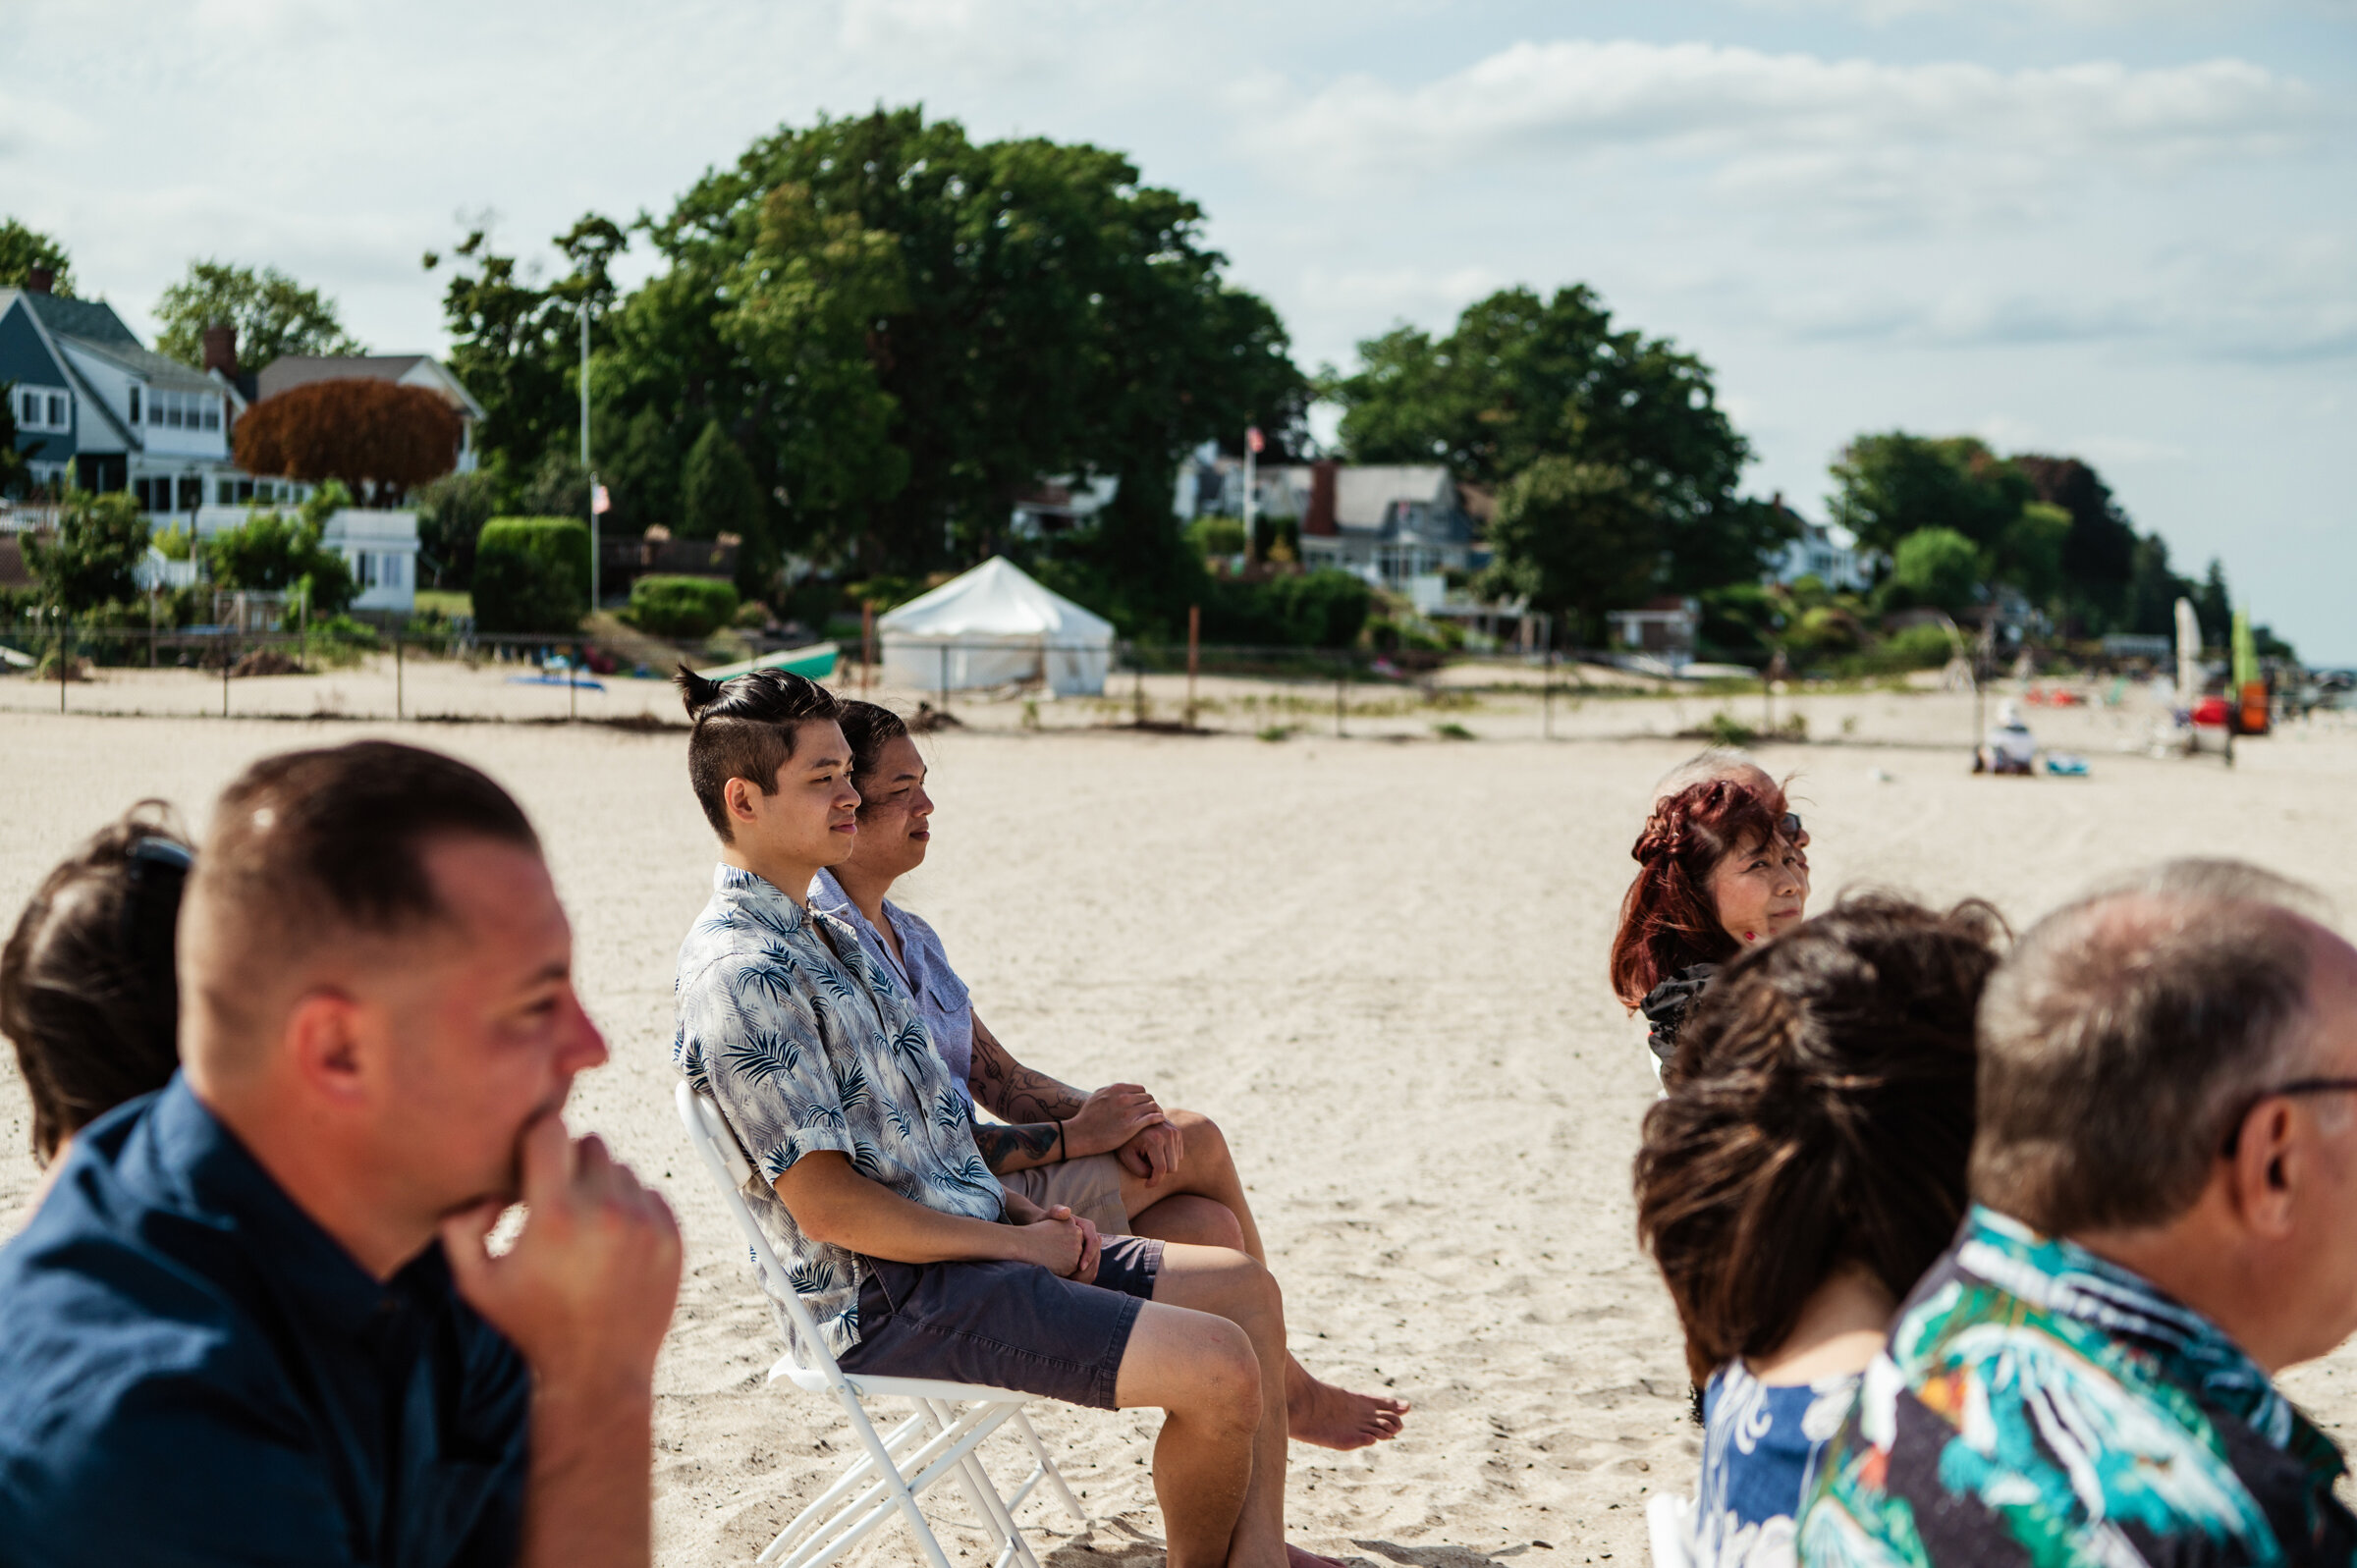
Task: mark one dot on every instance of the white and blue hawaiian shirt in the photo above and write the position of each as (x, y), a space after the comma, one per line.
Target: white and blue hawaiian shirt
(808, 1047)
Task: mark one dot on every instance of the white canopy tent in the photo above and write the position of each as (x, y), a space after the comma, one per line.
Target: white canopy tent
(995, 627)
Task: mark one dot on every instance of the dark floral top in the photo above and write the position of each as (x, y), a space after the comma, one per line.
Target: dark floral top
(2038, 1405)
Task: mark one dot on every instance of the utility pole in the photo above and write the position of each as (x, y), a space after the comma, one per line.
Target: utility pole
(585, 469)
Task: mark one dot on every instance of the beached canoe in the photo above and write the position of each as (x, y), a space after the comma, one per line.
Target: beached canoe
(817, 662)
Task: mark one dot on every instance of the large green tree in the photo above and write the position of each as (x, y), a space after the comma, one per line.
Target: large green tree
(1576, 539)
(274, 315)
(903, 330)
(2099, 554)
(515, 343)
(22, 248)
(1520, 378)
(718, 493)
(1890, 485)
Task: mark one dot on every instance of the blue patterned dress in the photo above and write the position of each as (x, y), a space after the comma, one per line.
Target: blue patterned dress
(1760, 1446)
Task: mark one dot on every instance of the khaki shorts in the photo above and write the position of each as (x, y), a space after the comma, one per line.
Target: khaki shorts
(1089, 1186)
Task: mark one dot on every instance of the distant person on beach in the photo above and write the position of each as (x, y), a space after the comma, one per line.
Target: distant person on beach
(2163, 1179)
(1803, 1172)
(1113, 1155)
(1719, 869)
(256, 1319)
(87, 989)
(2010, 747)
(909, 1252)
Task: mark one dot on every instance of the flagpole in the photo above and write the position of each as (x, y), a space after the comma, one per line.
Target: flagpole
(1251, 447)
(593, 550)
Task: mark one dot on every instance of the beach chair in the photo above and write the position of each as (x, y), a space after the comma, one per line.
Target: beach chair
(889, 1471)
(1666, 1517)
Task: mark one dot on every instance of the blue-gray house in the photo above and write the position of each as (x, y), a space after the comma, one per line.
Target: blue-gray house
(93, 403)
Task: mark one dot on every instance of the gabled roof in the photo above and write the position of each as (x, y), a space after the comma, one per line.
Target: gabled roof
(91, 320)
(156, 369)
(289, 372)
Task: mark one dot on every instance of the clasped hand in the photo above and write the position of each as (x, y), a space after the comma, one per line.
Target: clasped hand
(1058, 1240)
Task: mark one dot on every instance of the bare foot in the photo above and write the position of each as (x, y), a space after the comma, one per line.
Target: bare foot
(1295, 1557)
(1325, 1416)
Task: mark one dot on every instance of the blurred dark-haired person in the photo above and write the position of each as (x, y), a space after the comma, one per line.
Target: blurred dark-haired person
(910, 1253)
(87, 989)
(1720, 868)
(256, 1319)
(1113, 1155)
(2163, 1177)
(1806, 1166)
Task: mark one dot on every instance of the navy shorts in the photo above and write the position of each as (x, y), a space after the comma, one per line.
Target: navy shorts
(1004, 1324)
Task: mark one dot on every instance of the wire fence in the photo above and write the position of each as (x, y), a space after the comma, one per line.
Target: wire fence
(461, 674)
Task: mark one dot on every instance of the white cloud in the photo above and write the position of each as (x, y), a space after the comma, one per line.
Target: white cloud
(1853, 138)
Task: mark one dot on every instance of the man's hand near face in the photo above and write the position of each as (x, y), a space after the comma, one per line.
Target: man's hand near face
(584, 1295)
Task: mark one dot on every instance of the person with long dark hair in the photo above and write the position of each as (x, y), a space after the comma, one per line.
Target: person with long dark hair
(87, 987)
(1719, 869)
(1804, 1169)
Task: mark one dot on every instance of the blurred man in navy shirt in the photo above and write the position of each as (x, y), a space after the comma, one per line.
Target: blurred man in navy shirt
(255, 1321)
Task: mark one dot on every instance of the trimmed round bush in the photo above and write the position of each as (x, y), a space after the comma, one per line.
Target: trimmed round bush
(682, 607)
(531, 575)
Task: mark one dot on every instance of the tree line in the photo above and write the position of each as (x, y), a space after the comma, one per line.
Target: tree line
(869, 337)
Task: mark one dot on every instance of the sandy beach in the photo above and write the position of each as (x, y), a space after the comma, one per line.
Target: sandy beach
(1377, 963)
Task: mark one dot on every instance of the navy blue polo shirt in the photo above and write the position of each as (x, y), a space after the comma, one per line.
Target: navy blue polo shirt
(192, 1372)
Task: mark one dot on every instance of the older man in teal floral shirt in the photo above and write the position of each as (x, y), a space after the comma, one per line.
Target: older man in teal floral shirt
(2166, 1167)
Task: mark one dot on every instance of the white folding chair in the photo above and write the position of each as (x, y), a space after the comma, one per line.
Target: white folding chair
(892, 1470)
(1666, 1529)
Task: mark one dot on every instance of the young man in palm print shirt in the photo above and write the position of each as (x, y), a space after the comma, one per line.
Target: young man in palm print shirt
(912, 1256)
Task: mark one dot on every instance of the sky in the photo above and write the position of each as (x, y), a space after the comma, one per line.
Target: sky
(2124, 230)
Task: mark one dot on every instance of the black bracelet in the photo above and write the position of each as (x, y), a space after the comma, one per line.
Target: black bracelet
(1063, 1151)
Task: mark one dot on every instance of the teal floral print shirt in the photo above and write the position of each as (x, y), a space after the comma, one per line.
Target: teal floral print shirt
(810, 1046)
(2036, 1404)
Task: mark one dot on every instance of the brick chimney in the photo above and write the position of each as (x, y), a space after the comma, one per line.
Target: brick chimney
(38, 280)
(1319, 520)
(221, 350)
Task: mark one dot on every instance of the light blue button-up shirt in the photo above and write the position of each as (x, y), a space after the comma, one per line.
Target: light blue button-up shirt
(942, 999)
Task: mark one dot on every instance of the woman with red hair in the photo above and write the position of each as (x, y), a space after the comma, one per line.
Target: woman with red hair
(1719, 869)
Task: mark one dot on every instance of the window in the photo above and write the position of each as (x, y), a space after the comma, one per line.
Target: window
(43, 408)
(192, 494)
(367, 561)
(225, 492)
(212, 413)
(155, 406)
(135, 405)
(175, 410)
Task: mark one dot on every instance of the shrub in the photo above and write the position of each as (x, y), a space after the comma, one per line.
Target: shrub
(1217, 536)
(99, 539)
(1323, 609)
(531, 575)
(682, 607)
(274, 553)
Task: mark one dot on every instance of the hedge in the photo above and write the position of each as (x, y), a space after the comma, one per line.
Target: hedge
(682, 607)
(531, 575)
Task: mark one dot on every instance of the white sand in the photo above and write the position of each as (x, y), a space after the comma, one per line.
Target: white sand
(1377, 965)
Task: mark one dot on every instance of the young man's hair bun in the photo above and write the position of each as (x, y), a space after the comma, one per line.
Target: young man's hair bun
(695, 691)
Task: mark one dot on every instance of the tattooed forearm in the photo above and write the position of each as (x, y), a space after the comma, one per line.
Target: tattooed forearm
(1013, 1092)
(1007, 1149)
